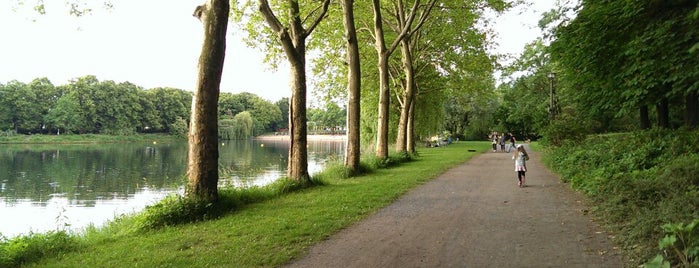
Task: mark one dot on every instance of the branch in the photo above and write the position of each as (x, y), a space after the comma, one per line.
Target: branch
(406, 27)
(269, 17)
(320, 17)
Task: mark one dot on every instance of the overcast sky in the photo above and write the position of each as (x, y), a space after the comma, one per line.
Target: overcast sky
(156, 43)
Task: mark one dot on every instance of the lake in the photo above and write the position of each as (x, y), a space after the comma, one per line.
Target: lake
(50, 187)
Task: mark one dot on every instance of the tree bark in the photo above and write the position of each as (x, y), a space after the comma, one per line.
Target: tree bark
(293, 40)
(663, 112)
(645, 117)
(384, 93)
(202, 157)
(408, 96)
(691, 110)
(298, 150)
(352, 148)
(411, 127)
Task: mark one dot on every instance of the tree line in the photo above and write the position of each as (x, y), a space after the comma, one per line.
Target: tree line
(391, 64)
(88, 106)
(607, 66)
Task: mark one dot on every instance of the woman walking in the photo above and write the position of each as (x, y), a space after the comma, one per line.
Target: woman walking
(520, 156)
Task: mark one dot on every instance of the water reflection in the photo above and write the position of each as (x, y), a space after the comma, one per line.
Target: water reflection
(44, 187)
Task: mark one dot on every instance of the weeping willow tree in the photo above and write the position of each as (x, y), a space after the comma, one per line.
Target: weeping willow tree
(239, 127)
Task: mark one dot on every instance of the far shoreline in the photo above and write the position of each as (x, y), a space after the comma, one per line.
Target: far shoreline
(308, 137)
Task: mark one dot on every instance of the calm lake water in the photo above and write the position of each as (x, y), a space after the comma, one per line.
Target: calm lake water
(49, 187)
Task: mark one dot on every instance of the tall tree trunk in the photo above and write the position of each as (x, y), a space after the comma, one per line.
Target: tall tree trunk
(645, 117)
(293, 40)
(298, 150)
(352, 148)
(384, 93)
(202, 157)
(408, 95)
(411, 127)
(663, 112)
(691, 110)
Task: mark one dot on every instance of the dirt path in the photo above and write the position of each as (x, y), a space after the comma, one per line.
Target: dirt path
(475, 216)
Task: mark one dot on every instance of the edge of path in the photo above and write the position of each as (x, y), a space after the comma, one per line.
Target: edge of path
(474, 215)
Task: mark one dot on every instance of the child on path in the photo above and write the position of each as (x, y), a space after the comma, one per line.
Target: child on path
(520, 156)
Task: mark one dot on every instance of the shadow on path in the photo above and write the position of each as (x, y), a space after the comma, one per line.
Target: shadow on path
(474, 215)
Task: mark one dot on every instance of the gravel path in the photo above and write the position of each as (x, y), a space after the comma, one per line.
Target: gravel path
(474, 215)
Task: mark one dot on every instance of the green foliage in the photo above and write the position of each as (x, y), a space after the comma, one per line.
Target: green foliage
(179, 127)
(35, 246)
(176, 209)
(329, 117)
(265, 115)
(683, 242)
(565, 128)
(89, 106)
(373, 162)
(638, 180)
(617, 56)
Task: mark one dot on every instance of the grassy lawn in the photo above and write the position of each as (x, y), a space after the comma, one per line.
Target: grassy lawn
(268, 233)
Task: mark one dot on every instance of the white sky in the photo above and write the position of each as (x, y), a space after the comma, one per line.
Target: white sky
(156, 43)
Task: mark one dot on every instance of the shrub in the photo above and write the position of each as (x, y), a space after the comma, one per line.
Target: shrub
(682, 242)
(638, 180)
(34, 246)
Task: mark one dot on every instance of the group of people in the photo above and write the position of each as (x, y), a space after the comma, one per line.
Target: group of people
(502, 139)
(520, 155)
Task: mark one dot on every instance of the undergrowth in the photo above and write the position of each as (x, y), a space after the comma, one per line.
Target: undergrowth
(639, 181)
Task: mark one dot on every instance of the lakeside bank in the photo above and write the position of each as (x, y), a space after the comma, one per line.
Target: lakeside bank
(308, 137)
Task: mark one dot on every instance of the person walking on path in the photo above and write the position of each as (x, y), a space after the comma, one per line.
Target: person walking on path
(521, 157)
(494, 141)
(471, 216)
(502, 143)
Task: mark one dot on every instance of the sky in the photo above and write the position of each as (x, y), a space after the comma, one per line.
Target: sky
(156, 43)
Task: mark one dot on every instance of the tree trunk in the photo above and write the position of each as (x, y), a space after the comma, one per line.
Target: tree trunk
(663, 113)
(645, 117)
(352, 148)
(411, 127)
(408, 95)
(298, 150)
(384, 93)
(202, 157)
(293, 40)
(691, 110)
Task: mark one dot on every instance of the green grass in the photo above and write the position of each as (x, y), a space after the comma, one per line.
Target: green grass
(268, 228)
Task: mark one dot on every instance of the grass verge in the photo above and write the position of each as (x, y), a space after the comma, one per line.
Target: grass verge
(84, 138)
(267, 230)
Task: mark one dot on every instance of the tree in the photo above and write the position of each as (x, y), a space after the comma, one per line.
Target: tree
(292, 37)
(64, 115)
(620, 56)
(352, 148)
(283, 122)
(202, 157)
(404, 22)
(20, 107)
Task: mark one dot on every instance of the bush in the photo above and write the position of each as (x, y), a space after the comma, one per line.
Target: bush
(176, 209)
(30, 248)
(638, 180)
(564, 129)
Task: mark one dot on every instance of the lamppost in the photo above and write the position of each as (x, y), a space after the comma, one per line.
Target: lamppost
(552, 109)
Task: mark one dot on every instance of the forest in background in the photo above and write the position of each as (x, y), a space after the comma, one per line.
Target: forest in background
(88, 106)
